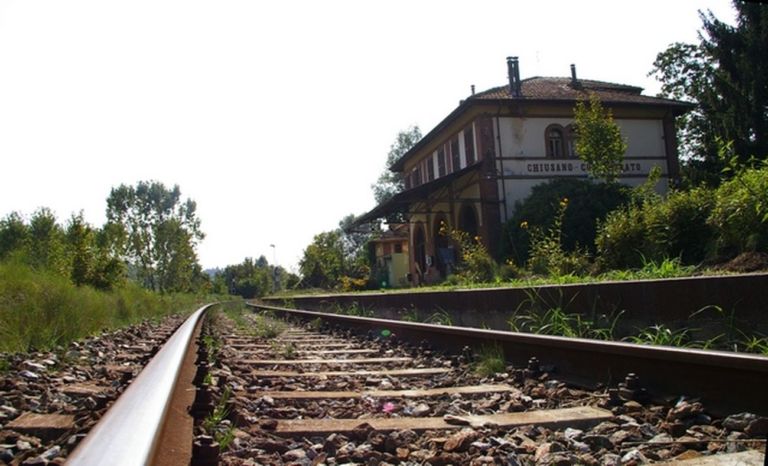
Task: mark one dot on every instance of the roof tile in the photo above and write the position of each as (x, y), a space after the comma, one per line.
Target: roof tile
(540, 88)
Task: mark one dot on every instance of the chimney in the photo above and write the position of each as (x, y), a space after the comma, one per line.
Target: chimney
(574, 80)
(513, 69)
(473, 89)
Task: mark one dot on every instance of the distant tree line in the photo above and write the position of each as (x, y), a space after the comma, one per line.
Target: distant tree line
(252, 279)
(150, 237)
(75, 250)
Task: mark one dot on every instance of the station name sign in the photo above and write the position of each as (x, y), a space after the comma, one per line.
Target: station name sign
(575, 167)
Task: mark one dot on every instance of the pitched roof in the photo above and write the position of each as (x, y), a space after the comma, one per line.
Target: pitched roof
(560, 89)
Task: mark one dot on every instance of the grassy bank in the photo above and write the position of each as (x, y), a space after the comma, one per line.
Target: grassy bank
(40, 310)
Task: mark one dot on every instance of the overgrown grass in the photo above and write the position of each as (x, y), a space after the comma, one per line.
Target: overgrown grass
(662, 335)
(490, 360)
(666, 268)
(40, 310)
(264, 326)
(536, 315)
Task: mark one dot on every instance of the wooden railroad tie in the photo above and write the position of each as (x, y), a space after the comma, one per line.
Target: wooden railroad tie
(389, 372)
(300, 395)
(319, 351)
(571, 417)
(292, 362)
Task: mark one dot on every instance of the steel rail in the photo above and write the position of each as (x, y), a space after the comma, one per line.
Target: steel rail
(724, 381)
(128, 433)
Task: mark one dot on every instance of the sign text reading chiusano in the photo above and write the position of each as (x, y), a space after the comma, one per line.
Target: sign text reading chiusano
(571, 167)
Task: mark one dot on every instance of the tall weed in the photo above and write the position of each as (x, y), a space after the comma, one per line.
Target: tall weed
(41, 310)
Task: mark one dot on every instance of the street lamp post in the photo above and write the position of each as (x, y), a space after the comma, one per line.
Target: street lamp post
(275, 276)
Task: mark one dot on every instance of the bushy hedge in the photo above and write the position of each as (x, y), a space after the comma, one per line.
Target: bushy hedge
(701, 224)
(656, 229)
(588, 202)
(740, 213)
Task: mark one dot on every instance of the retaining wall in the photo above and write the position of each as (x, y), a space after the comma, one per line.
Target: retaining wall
(643, 303)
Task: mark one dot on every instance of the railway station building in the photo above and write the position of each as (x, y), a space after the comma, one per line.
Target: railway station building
(470, 170)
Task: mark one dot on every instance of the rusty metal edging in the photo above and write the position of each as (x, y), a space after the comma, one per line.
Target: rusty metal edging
(129, 431)
(724, 381)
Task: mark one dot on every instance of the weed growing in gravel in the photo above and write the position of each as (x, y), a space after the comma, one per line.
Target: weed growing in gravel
(410, 315)
(353, 309)
(490, 360)
(285, 350)
(219, 412)
(236, 311)
(265, 327)
(440, 317)
(662, 335)
(315, 324)
(223, 434)
(536, 315)
(212, 346)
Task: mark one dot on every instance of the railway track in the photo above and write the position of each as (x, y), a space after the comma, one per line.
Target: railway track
(321, 393)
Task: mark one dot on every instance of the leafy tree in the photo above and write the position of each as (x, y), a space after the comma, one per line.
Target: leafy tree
(91, 264)
(156, 233)
(250, 279)
(323, 263)
(599, 142)
(13, 234)
(338, 258)
(45, 247)
(726, 76)
(589, 202)
(389, 182)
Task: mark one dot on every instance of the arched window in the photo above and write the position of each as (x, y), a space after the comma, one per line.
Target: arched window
(555, 141)
(570, 141)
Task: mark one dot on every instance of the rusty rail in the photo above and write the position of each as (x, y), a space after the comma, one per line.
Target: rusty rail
(129, 431)
(726, 382)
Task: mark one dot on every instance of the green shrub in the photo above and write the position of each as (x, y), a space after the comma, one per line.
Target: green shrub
(589, 202)
(656, 229)
(476, 264)
(740, 212)
(547, 256)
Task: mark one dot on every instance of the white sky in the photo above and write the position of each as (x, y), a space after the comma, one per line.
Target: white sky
(276, 117)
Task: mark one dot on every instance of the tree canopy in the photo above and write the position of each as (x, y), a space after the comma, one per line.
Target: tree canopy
(76, 250)
(337, 258)
(599, 142)
(725, 76)
(156, 233)
(389, 182)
